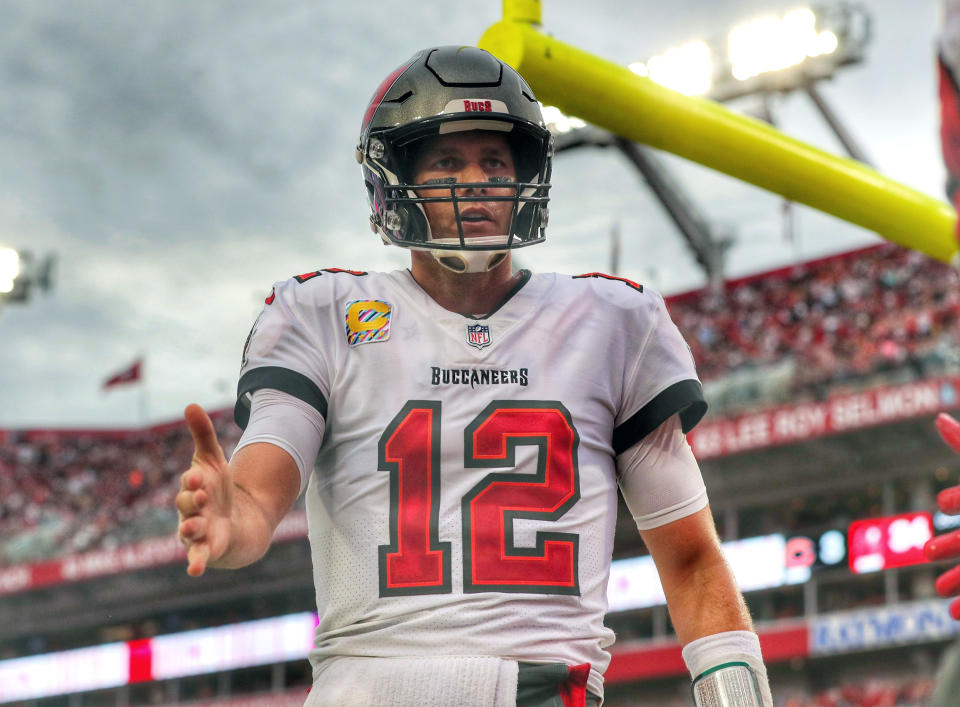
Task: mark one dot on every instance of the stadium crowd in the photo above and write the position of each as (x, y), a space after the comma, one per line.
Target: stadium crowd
(836, 322)
(64, 492)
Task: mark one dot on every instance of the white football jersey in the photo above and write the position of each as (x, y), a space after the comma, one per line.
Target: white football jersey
(464, 497)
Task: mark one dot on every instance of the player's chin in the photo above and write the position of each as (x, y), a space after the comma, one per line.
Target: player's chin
(476, 229)
(485, 227)
(472, 228)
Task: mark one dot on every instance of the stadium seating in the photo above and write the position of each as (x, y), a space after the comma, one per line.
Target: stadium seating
(65, 492)
(833, 322)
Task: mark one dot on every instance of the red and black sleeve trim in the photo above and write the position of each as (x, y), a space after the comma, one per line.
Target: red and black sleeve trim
(685, 397)
(317, 273)
(282, 379)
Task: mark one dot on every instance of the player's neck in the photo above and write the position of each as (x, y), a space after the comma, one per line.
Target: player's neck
(473, 294)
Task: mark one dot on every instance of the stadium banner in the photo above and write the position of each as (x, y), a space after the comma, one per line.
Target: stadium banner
(64, 673)
(241, 645)
(882, 627)
(279, 639)
(152, 552)
(840, 413)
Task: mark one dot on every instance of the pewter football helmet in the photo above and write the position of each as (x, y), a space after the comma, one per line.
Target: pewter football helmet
(445, 90)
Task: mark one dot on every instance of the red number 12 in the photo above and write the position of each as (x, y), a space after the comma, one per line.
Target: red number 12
(416, 562)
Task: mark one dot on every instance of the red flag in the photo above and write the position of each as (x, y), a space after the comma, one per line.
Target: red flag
(131, 374)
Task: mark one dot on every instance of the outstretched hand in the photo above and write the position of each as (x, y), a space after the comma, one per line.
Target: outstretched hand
(947, 546)
(205, 500)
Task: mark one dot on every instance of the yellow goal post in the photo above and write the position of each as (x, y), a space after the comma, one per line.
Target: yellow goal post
(615, 98)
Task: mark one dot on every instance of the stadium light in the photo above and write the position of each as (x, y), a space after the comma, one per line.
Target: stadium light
(9, 269)
(687, 69)
(773, 44)
(775, 53)
(559, 123)
(22, 275)
(790, 51)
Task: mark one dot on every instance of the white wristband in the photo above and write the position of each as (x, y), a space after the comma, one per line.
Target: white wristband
(708, 652)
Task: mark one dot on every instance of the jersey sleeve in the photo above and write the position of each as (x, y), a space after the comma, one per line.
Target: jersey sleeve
(661, 382)
(660, 478)
(284, 352)
(286, 422)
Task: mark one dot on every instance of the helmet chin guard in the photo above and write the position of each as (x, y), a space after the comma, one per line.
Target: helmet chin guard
(447, 90)
(470, 261)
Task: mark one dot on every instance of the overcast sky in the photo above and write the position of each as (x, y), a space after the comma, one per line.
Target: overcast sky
(179, 157)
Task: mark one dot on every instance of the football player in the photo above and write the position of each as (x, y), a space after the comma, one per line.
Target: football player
(460, 431)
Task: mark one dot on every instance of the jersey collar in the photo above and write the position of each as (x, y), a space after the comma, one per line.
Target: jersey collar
(524, 278)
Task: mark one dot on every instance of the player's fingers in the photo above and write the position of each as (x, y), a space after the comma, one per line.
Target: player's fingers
(193, 529)
(191, 479)
(948, 583)
(197, 557)
(955, 609)
(191, 502)
(943, 546)
(949, 429)
(204, 435)
(948, 500)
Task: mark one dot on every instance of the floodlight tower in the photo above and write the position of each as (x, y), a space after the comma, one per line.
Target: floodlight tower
(9, 270)
(768, 56)
(20, 275)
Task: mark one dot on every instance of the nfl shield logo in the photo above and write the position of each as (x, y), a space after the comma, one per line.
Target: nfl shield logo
(478, 335)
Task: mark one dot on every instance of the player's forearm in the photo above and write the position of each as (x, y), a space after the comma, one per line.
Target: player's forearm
(720, 649)
(706, 600)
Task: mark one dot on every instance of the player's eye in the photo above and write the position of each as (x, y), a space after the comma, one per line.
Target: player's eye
(494, 163)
